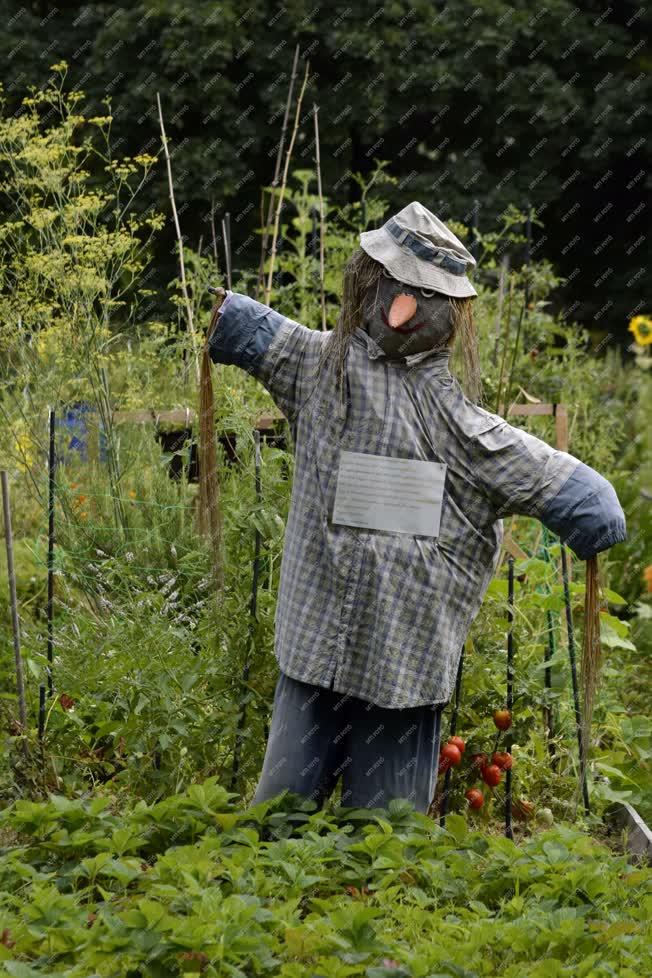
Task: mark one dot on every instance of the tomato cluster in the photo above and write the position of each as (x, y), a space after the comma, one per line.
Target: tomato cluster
(491, 771)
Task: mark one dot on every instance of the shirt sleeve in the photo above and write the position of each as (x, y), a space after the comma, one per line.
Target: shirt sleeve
(281, 353)
(523, 475)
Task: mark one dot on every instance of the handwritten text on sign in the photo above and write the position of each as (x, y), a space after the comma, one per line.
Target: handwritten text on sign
(403, 495)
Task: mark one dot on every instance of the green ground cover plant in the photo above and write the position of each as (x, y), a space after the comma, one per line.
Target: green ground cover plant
(192, 885)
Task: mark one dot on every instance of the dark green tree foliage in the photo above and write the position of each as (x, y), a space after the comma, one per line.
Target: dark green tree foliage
(499, 102)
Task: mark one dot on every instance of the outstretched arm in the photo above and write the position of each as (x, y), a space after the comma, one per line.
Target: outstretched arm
(281, 353)
(522, 474)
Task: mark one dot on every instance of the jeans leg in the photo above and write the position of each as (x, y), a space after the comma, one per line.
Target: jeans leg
(393, 754)
(305, 742)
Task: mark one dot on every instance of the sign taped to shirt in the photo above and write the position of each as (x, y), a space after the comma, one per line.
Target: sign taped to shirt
(377, 492)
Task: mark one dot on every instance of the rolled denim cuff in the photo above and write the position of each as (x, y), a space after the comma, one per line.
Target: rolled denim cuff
(586, 513)
(244, 332)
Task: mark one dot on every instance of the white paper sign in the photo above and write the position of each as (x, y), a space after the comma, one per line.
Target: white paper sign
(382, 493)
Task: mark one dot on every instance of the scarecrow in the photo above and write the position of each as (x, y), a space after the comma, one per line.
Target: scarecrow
(401, 483)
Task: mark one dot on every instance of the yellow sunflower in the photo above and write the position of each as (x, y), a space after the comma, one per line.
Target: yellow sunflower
(641, 327)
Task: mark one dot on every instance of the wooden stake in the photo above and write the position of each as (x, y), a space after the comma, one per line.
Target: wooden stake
(13, 598)
(184, 286)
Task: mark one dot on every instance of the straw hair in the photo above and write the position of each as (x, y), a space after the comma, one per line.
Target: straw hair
(362, 272)
(591, 649)
(210, 515)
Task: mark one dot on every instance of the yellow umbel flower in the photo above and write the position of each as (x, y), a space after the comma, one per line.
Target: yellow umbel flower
(641, 327)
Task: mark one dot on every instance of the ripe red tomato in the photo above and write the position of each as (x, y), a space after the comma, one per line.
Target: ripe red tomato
(479, 760)
(491, 775)
(475, 798)
(458, 742)
(451, 753)
(503, 719)
(502, 759)
(444, 765)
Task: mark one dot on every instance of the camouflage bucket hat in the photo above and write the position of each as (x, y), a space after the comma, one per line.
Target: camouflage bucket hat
(418, 249)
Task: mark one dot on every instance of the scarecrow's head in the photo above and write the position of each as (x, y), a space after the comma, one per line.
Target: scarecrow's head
(404, 319)
(406, 286)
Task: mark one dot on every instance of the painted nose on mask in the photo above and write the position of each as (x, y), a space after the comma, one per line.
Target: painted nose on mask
(402, 309)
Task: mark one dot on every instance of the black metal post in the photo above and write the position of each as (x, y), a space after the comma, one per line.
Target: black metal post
(443, 808)
(253, 605)
(576, 692)
(41, 712)
(548, 712)
(510, 693)
(51, 497)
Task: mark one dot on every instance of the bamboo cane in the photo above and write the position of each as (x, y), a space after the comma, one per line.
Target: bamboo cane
(277, 170)
(277, 217)
(184, 285)
(13, 599)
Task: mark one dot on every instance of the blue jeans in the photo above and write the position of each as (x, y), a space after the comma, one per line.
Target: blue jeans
(318, 735)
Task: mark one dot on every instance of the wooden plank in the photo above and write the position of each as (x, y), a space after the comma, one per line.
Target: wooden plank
(512, 547)
(530, 409)
(184, 416)
(558, 411)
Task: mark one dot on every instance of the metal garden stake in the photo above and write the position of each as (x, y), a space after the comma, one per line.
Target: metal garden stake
(51, 496)
(253, 604)
(453, 730)
(510, 693)
(576, 693)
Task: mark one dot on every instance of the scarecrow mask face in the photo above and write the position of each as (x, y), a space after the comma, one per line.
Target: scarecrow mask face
(405, 319)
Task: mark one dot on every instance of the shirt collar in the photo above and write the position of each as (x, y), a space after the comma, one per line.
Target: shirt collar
(440, 358)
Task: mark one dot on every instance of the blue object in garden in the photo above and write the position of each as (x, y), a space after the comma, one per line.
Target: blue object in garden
(75, 420)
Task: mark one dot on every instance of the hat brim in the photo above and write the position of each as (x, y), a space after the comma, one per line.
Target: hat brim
(412, 270)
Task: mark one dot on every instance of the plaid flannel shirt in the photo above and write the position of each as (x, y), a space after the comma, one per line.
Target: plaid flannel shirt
(379, 615)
